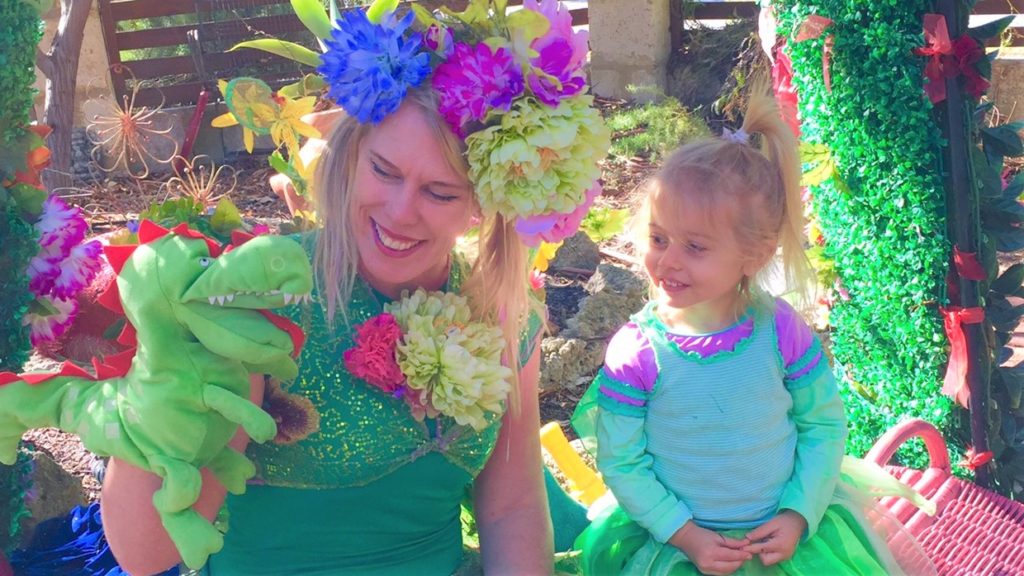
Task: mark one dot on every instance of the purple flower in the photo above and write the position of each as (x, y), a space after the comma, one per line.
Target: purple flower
(370, 67)
(60, 226)
(557, 70)
(555, 227)
(78, 269)
(473, 81)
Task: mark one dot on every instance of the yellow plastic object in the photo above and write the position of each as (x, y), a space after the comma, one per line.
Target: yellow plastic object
(585, 485)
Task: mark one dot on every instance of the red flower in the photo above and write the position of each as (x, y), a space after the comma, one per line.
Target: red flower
(373, 357)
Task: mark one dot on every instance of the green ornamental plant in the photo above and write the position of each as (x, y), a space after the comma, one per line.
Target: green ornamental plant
(882, 213)
(20, 32)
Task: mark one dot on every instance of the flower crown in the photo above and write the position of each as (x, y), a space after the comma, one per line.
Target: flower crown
(511, 84)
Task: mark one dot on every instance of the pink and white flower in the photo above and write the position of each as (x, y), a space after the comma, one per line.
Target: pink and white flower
(60, 226)
(77, 269)
(47, 327)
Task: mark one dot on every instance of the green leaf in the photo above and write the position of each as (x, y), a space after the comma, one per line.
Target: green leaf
(310, 85)
(424, 16)
(282, 48)
(1010, 280)
(987, 173)
(225, 217)
(42, 307)
(379, 9)
(28, 198)
(115, 328)
(313, 16)
(1002, 140)
(990, 29)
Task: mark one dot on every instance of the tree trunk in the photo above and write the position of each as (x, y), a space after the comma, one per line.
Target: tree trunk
(60, 66)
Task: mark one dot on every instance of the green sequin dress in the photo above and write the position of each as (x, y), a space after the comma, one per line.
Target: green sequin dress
(373, 491)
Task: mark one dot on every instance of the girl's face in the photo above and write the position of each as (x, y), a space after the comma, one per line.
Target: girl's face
(409, 205)
(695, 265)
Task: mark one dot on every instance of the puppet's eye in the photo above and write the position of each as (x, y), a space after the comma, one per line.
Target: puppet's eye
(204, 262)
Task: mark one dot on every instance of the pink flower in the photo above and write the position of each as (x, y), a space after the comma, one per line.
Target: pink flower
(260, 229)
(78, 269)
(43, 270)
(537, 279)
(46, 328)
(557, 226)
(60, 226)
(373, 357)
(474, 81)
(561, 55)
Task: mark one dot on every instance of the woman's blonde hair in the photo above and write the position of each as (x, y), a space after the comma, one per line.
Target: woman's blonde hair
(497, 286)
(753, 177)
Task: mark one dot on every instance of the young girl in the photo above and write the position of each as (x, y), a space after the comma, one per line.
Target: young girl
(719, 426)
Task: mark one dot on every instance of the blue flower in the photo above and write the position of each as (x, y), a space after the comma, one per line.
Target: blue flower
(370, 67)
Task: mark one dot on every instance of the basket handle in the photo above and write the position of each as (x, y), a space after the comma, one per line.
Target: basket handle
(887, 445)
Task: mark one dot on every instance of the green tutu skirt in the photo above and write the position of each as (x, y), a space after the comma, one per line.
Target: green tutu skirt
(614, 544)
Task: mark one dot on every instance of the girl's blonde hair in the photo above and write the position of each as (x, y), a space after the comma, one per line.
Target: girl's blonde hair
(755, 182)
(497, 286)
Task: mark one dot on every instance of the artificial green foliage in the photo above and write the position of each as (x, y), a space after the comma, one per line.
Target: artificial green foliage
(885, 229)
(218, 223)
(19, 240)
(20, 32)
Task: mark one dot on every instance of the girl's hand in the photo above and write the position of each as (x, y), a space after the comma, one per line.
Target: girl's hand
(709, 551)
(776, 540)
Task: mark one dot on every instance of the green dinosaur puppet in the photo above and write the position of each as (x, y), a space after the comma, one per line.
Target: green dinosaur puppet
(200, 328)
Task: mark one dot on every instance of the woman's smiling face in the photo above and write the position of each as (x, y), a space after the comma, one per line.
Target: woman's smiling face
(409, 204)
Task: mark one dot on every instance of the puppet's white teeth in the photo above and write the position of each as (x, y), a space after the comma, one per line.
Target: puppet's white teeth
(287, 298)
(221, 299)
(230, 297)
(212, 299)
(274, 292)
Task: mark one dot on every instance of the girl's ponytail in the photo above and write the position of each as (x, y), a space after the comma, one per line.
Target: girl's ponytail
(781, 147)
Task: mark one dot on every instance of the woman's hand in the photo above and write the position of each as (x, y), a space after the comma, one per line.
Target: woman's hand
(710, 552)
(282, 185)
(776, 540)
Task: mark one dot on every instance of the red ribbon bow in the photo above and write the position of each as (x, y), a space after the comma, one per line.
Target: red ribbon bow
(949, 59)
(955, 382)
(972, 461)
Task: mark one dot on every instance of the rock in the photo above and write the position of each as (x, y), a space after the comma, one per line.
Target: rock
(563, 303)
(615, 294)
(569, 362)
(574, 356)
(578, 253)
(616, 279)
(35, 489)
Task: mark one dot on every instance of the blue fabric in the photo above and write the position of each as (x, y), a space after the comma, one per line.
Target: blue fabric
(73, 545)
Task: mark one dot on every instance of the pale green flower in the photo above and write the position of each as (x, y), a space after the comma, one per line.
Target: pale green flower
(539, 159)
(450, 363)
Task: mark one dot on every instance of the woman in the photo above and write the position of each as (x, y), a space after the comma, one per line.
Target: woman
(375, 490)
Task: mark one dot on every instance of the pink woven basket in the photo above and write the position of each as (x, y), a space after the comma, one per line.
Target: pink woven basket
(975, 531)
